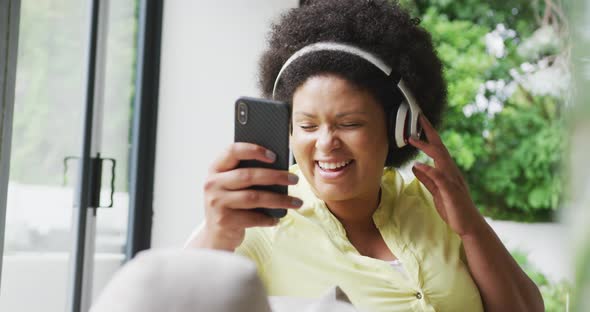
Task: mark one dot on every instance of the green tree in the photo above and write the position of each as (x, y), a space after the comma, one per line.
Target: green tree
(504, 128)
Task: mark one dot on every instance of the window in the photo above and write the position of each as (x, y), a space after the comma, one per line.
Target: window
(48, 115)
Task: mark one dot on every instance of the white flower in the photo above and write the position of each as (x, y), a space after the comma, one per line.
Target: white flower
(499, 91)
(495, 40)
(527, 67)
(491, 85)
(553, 80)
(469, 110)
(495, 44)
(495, 106)
(544, 41)
(481, 102)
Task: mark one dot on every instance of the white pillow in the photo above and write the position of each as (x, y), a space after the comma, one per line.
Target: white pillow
(201, 280)
(334, 300)
(183, 281)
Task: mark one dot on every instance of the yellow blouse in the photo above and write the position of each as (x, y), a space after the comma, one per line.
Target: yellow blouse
(308, 252)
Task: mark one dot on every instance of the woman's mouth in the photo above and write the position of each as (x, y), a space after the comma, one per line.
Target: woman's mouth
(332, 170)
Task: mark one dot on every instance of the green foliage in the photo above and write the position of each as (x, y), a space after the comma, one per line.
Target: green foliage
(461, 47)
(521, 168)
(511, 157)
(516, 14)
(555, 295)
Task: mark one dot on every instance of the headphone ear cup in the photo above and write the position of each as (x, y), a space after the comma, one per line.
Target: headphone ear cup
(391, 127)
(401, 128)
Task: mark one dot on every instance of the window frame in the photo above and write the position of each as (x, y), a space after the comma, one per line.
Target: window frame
(144, 129)
(143, 132)
(9, 24)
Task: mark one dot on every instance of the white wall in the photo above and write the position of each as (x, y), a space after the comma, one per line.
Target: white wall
(210, 53)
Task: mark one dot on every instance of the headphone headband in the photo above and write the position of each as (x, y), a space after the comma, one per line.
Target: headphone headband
(333, 46)
(415, 110)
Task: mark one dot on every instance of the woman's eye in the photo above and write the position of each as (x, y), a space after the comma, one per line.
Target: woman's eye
(307, 127)
(350, 125)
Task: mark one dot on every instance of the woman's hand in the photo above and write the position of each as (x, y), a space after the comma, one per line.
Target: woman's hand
(503, 285)
(229, 202)
(446, 184)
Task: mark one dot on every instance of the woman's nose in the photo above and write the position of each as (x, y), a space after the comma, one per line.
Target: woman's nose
(327, 140)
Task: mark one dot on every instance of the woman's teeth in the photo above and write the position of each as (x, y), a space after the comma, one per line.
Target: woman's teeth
(332, 165)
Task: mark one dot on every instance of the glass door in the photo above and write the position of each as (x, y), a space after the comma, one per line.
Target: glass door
(50, 99)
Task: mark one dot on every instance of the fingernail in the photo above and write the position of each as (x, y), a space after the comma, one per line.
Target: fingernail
(270, 155)
(297, 202)
(293, 178)
(419, 164)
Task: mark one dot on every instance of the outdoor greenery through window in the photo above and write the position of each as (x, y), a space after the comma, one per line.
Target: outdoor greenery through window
(506, 65)
(507, 73)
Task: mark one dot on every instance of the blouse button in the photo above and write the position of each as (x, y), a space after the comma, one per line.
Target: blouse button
(418, 295)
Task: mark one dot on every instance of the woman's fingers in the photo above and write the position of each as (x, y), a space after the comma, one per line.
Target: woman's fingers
(436, 149)
(420, 171)
(429, 149)
(245, 177)
(241, 151)
(249, 199)
(246, 219)
(431, 133)
(425, 179)
(447, 186)
(227, 201)
(433, 147)
(435, 175)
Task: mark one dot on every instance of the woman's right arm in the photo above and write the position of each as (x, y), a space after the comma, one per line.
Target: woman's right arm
(229, 202)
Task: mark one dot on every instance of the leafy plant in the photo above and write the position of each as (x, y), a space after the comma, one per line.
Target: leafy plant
(503, 124)
(555, 295)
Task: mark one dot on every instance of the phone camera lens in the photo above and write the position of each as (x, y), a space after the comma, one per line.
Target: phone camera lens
(242, 113)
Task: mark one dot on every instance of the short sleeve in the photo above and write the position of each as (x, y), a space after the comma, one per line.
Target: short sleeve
(453, 242)
(257, 246)
(454, 239)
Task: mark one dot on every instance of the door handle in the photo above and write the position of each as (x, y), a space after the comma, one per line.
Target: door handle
(96, 166)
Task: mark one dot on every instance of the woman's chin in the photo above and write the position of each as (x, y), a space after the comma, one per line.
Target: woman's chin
(332, 192)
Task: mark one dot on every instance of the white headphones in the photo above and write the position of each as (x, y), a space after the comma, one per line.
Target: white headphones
(408, 111)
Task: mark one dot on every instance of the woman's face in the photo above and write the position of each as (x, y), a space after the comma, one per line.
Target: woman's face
(339, 138)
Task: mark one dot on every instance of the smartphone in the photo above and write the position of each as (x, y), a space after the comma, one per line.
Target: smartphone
(265, 123)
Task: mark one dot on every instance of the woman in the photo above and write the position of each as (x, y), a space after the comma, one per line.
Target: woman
(346, 68)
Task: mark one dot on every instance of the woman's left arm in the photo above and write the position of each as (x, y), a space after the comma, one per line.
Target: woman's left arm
(502, 283)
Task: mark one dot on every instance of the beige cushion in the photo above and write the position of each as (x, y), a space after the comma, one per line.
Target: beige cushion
(334, 300)
(183, 281)
(201, 280)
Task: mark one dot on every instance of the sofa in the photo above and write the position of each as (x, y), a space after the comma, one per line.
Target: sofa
(202, 280)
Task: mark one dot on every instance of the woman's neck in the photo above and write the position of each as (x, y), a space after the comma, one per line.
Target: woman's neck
(356, 214)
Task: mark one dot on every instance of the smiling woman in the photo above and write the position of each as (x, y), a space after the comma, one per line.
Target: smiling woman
(362, 79)
(339, 138)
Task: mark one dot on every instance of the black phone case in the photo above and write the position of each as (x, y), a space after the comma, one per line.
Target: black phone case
(268, 126)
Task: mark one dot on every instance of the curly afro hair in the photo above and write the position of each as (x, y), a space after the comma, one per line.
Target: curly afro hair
(378, 26)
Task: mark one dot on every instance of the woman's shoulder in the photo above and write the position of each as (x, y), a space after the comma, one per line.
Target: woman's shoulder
(404, 188)
(409, 200)
(406, 185)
